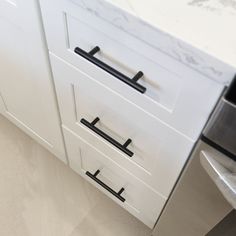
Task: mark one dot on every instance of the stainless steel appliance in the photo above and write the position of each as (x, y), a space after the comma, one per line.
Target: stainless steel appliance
(203, 200)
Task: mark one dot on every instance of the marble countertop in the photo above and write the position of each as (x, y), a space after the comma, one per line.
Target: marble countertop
(199, 33)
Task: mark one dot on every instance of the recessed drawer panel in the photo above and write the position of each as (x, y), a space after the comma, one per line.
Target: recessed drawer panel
(114, 181)
(140, 143)
(158, 85)
(167, 90)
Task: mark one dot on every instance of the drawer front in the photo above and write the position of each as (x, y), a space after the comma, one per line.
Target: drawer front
(156, 153)
(174, 93)
(134, 195)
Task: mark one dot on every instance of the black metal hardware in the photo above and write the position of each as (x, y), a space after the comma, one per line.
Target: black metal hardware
(131, 82)
(92, 126)
(117, 195)
(94, 51)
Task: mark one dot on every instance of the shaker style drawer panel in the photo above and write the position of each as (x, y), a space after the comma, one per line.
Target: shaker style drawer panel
(114, 181)
(135, 140)
(158, 84)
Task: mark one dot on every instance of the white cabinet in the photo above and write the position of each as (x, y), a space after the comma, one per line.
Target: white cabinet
(26, 88)
(154, 155)
(113, 180)
(137, 139)
(136, 132)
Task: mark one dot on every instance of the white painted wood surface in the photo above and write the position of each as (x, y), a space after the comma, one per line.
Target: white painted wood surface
(177, 95)
(141, 201)
(159, 151)
(26, 87)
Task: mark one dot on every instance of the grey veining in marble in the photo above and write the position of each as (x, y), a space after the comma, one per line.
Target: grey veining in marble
(216, 6)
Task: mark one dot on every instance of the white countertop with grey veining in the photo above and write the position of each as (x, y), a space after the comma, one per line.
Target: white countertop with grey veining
(199, 33)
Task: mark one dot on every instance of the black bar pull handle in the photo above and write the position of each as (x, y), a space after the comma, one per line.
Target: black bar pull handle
(133, 82)
(122, 147)
(117, 195)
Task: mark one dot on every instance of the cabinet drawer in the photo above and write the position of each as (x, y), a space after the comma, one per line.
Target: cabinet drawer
(134, 196)
(156, 153)
(174, 93)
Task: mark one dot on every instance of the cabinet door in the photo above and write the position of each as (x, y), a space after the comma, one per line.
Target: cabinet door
(26, 88)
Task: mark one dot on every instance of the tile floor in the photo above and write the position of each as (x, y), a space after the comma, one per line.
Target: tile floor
(40, 196)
